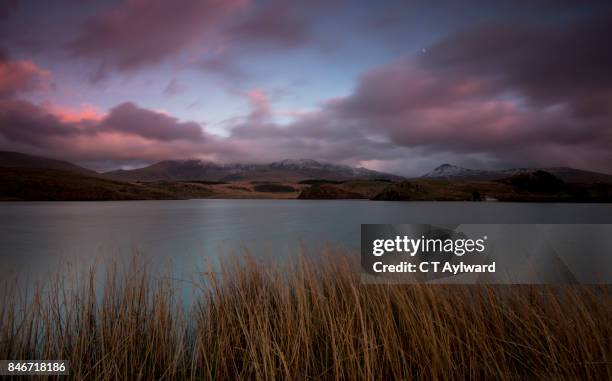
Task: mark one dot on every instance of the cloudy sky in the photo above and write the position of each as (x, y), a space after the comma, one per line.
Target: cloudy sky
(401, 86)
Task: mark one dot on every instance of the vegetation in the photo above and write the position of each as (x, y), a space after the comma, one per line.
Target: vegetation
(328, 192)
(182, 189)
(274, 188)
(537, 186)
(204, 182)
(33, 184)
(536, 182)
(239, 188)
(37, 184)
(311, 319)
(320, 181)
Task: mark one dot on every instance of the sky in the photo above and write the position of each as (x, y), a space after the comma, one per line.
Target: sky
(397, 86)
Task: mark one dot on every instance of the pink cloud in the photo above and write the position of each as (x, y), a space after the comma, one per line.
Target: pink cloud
(260, 105)
(17, 77)
(137, 33)
(127, 134)
(66, 114)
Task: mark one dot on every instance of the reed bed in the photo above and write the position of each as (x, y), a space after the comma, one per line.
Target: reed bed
(310, 319)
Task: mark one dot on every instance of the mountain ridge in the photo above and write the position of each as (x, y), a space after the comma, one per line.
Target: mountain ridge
(283, 170)
(25, 177)
(457, 173)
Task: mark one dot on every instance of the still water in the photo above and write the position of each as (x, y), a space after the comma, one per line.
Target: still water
(38, 237)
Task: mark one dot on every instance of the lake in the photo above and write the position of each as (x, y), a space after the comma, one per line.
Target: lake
(37, 237)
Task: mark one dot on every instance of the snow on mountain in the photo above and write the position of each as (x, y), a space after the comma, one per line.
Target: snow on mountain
(453, 171)
(309, 164)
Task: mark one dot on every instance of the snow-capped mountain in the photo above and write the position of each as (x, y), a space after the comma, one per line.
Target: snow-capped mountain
(449, 171)
(285, 170)
(453, 172)
(343, 170)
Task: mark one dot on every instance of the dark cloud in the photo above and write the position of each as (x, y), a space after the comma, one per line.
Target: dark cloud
(549, 63)
(131, 119)
(24, 122)
(7, 7)
(319, 135)
(398, 23)
(224, 65)
(138, 33)
(279, 23)
(265, 26)
(537, 93)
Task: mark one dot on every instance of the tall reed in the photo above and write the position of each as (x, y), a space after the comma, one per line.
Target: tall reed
(310, 319)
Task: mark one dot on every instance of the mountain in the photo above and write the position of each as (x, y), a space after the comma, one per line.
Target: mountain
(174, 170)
(571, 175)
(285, 170)
(449, 171)
(27, 177)
(21, 160)
(535, 182)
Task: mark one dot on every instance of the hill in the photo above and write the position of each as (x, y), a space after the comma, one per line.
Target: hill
(533, 186)
(39, 184)
(10, 159)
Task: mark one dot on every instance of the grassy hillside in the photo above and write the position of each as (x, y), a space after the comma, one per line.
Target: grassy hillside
(328, 192)
(35, 184)
(21, 160)
(274, 188)
(350, 189)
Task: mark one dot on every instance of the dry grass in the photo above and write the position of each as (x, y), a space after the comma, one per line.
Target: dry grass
(308, 320)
